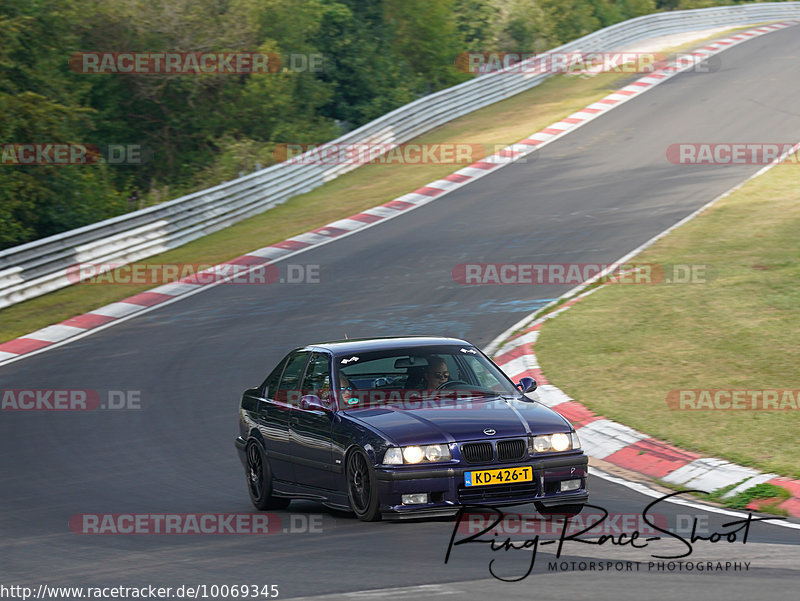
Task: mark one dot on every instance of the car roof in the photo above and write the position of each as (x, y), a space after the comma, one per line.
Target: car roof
(364, 345)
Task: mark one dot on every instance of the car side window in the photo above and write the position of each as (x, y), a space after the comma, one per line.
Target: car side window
(290, 380)
(318, 377)
(270, 385)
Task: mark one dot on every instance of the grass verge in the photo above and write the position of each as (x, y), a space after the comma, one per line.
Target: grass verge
(759, 492)
(621, 350)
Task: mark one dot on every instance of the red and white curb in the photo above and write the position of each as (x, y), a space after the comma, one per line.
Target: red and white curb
(98, 319)
(618, 444)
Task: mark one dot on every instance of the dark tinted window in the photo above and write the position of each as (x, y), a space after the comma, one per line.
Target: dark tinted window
(318, 377)
(271, 383)
(294, 371)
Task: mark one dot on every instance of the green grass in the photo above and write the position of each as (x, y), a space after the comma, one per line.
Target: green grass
(622, 349)
(757, 492)
(742, 499)
(754, 493)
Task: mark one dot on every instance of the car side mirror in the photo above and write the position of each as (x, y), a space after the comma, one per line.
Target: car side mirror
(527, 385)
(311, 402)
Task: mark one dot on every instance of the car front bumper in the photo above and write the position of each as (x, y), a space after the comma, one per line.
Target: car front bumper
(447, 491)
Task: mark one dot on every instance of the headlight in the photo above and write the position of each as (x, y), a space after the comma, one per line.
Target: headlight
(554, 442)
(437, 452)
(560, 442)
(413, 454)
(541, 444)
(393, 456)
(431, 453)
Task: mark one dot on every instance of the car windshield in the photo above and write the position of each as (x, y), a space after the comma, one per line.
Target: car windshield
(411, 375)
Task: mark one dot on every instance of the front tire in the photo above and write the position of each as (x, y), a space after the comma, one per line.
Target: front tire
(361, 489)
(259, 480)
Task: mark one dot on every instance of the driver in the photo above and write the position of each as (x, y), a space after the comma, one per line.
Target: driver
(436, 373)
(346, 390)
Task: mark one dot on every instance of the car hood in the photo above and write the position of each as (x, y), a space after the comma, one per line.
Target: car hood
(465, 421)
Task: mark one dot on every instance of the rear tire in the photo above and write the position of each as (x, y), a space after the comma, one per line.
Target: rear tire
(259, 480)
(361, 489)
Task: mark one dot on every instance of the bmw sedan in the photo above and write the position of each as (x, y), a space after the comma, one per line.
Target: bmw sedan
(405, 427)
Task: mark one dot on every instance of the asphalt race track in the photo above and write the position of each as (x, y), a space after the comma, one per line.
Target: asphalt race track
(589, 197)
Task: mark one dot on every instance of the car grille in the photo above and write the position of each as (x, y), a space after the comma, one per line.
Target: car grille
(477, 452)
(472, 494)
(509, 450)
(483, 452)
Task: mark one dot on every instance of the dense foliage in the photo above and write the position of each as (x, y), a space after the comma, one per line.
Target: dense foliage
(376, 55)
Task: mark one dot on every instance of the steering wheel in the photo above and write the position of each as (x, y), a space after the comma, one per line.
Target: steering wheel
(449, 384)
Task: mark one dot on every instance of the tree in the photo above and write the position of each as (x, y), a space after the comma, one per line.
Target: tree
(40, 100)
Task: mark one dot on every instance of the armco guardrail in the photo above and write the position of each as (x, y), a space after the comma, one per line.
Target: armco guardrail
(40, 267)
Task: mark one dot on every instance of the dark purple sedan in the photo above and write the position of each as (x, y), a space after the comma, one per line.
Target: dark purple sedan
(400, 427)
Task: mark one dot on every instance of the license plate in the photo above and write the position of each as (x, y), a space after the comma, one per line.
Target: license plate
(502, 476)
